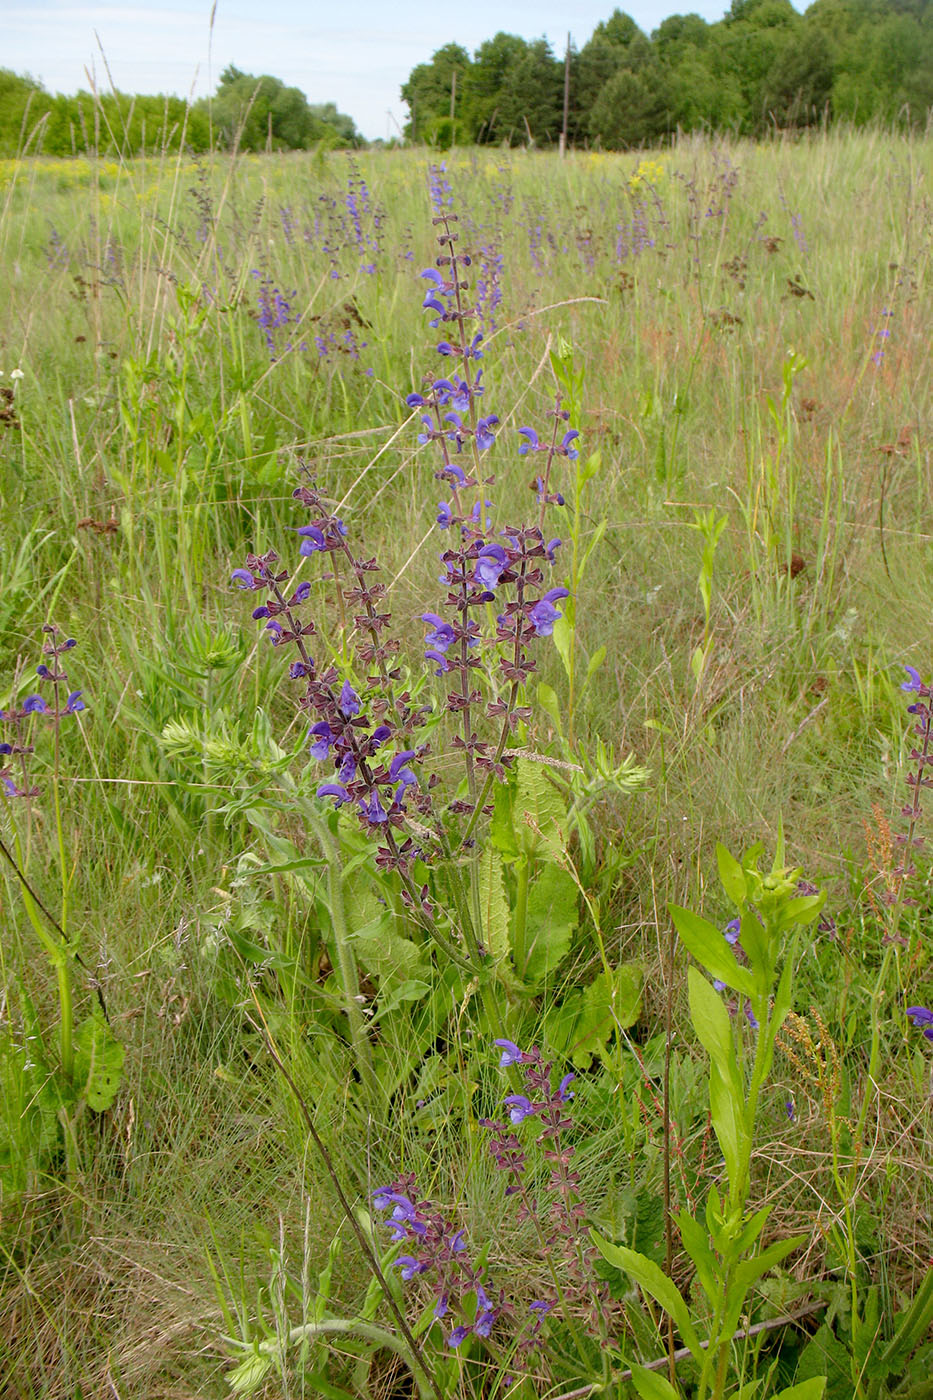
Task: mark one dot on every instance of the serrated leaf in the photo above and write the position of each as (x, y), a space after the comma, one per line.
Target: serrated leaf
(98, 1064)
(540, 815)
(494, 907)
(653, 1280)
(550, 920)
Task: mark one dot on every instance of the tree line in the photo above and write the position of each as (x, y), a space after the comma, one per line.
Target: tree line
(247, 112)
(763, 66)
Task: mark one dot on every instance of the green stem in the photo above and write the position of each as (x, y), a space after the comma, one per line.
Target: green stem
(345, 965)
(521, 915)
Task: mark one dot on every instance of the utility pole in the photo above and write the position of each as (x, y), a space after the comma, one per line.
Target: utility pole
(563, 134)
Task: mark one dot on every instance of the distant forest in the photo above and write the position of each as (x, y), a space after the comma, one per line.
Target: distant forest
(252, 113)
(763, 67)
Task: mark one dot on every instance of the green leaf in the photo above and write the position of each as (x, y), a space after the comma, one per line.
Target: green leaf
(494, 907)
(541, 817)
(596, 660)
(653, 1280)
(651, 1385)
(611, 1001)
(386, 956)
(547, 699)
(708, 945)
(825, 1359)
(563, 637)
(502, 833)
(98, 1062)
(728, 1123)
(549, 922)
(731, 875)
(696, 1243)
(711, 1021)
(813, 1389)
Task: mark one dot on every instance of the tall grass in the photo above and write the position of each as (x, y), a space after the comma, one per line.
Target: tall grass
(754, 324)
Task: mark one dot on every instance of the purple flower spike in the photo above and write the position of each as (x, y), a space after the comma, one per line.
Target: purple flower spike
(334, 790)
(511, 1055)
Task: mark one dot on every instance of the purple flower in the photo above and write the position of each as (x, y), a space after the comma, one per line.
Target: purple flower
(444, 514)
(562, 1092)
(74, 703)
(492, 561)
(409, 1266)
(349, 700)
(511, 1055)
(373, 811)
(551, 549)
(334, 790)
(441, 635)
(300, 595)
(565, 448)
(442, 667)
(922, 1017)
(244, 579)
(34, 705)
(312, 539)
(542, 615)
(519, 1106)
(914, 682)
(324, 737)
(44, 672)
(531, 445)
(397, 766)
(457, 1336)
(484, 436)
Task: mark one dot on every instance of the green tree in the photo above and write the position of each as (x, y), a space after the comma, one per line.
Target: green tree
(428, 90)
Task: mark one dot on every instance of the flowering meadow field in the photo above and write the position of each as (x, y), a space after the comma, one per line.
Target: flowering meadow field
(465, 698)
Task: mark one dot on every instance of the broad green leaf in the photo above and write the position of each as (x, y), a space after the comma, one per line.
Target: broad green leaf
(711, 1022)
(98, 1062)
(748, 1273)
(502, 833)
(595, 661)
(813, 1389)
(825, 1359)
(651, 1385)
(540, 815)
(250, 1374)
(385, 955)
(728, 1123)
(609, 1003)
(696, 1243)
(652, 1279)
(731, 875)
(802, 910)
(547, 699)
(494, 907)
(549, 923)
(708, 945)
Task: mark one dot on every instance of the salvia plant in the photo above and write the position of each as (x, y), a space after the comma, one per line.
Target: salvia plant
(465, 865)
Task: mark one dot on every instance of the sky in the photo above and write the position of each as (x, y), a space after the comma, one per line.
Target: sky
(356, 53)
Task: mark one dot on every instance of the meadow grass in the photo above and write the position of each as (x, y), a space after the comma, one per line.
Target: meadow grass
(754, 326)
